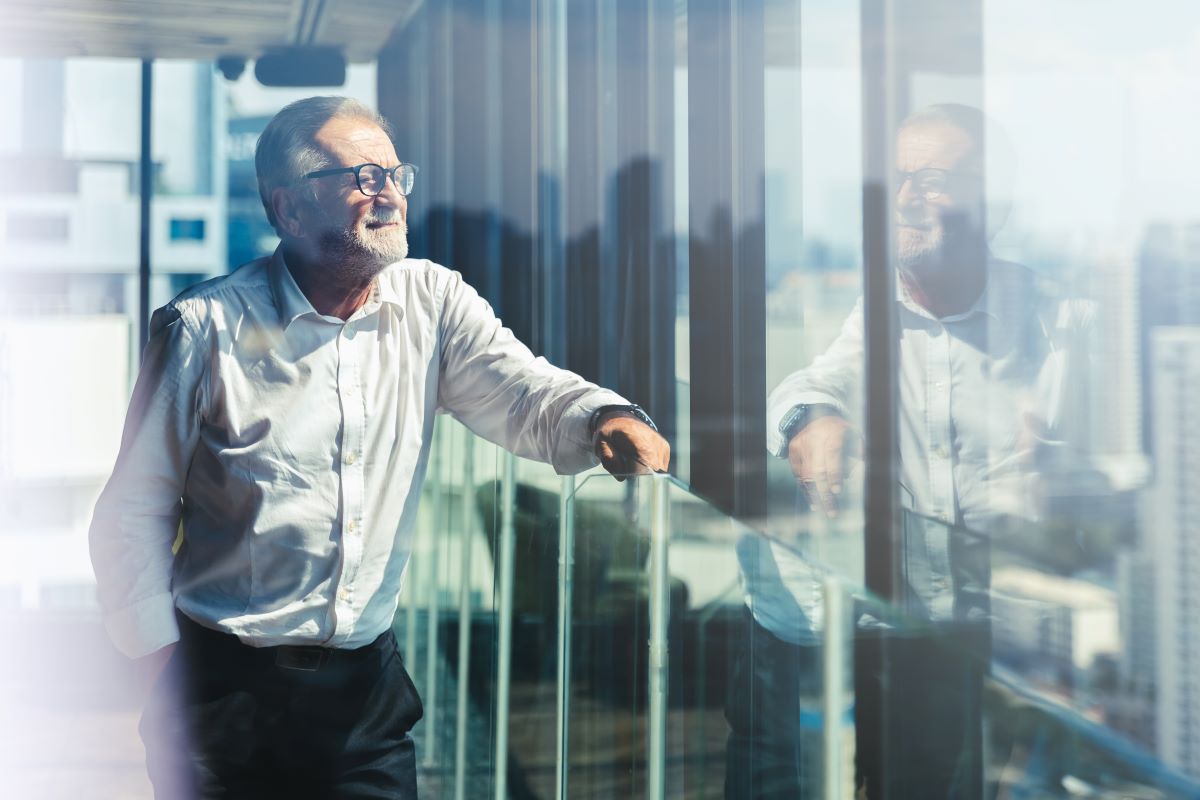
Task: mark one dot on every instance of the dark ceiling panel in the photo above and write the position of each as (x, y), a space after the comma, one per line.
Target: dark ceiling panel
(195, 29)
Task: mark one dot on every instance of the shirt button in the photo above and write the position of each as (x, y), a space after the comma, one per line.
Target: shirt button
(350, 459)
(940, 451)
(941, 387)
(352, 526)
(343, 593)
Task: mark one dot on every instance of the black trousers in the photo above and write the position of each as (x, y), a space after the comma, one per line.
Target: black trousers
(232, 721)
(918, 715)
(771, 754)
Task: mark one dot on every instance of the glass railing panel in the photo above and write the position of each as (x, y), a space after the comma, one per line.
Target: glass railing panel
(444, 621)
(638, 641)
(677, 688)
(478, 620)
(526, 630)
(606, 694)
(415, 609)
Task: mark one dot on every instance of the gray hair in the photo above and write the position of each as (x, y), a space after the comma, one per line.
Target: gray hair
(286, 151)
(993, 152)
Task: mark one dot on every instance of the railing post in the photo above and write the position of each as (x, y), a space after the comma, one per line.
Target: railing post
(462, 708)
(506, 552)
(660, 610)
(414, 578)
(566, 569)
(410, 614)
(433, 589)
(834, 663)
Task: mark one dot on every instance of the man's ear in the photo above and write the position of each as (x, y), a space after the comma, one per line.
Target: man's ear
(287, 211)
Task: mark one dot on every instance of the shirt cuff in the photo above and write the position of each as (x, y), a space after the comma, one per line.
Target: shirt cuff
(144, 627)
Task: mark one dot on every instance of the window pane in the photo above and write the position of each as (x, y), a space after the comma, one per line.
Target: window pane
(68, 339)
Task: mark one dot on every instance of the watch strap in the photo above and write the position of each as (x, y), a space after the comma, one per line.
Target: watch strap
(630, 410)
(799, 416)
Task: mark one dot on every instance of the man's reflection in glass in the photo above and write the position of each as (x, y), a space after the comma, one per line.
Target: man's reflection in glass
(985, 355)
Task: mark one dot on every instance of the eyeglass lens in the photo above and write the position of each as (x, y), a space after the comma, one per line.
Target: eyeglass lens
(929, 183)
(372, 179)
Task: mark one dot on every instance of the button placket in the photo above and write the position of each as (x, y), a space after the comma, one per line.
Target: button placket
(938, 397)
(352, 475)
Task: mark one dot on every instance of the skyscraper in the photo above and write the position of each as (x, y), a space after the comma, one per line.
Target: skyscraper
(1172, 516)
(1115, 414)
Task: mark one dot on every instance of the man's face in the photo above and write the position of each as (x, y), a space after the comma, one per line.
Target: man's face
(352, 231)
(939, 202)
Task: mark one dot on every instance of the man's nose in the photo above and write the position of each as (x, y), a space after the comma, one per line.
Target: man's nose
(905, 196)
(392, 196)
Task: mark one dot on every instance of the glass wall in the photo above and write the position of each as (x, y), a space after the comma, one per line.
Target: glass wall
(915, 339)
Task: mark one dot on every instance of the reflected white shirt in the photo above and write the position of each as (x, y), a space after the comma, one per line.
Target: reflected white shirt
(979, 394)
(292, 447)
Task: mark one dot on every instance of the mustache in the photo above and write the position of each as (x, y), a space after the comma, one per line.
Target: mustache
(915, 219)
(383, 216)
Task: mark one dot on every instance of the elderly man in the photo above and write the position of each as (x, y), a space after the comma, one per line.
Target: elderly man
(282, 421)
(986, 357)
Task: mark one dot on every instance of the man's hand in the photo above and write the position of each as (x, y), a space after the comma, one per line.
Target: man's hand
(628, 446)
(818, 456)
(148, 669)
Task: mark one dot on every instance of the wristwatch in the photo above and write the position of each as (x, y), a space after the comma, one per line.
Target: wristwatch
(634, 411)
(799, 416)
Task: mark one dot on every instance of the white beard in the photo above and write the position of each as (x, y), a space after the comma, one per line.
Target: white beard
(362, 252)
(917, 248)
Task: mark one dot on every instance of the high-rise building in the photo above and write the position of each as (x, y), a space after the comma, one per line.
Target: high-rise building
(1131, 707)
(1115, 413)
(1169, 294)
(1172, 517)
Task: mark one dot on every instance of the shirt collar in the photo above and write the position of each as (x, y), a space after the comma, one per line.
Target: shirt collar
(1007, 293)
(289, 300)
(291, 303)
(387, 289)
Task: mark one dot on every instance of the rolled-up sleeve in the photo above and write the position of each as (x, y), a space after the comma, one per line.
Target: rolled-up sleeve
(494, 385)
(137, 517)
(834, 378)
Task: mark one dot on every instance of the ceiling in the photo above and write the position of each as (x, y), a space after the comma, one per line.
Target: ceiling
(195, 29)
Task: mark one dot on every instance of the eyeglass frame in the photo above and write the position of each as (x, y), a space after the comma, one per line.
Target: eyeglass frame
(947, 176)
(357, 172)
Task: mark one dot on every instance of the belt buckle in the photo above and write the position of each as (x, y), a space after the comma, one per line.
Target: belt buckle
(305, 659)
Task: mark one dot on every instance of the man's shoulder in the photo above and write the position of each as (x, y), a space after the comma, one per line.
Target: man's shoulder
(415, 269)
(417, 279)
(1053, 303)
(244, 284)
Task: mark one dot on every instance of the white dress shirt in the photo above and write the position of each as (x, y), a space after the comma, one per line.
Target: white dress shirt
(292, 447)
(981, 394)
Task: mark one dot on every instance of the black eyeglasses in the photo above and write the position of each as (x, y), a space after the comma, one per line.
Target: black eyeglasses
(931, 182)
(372, 178)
